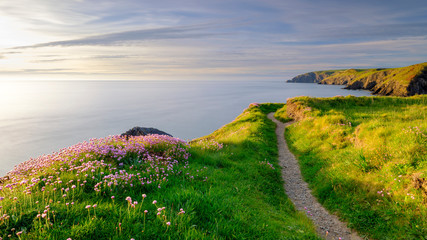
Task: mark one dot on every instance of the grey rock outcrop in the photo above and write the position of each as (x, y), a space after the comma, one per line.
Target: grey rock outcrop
(142, 131)
(419, 84)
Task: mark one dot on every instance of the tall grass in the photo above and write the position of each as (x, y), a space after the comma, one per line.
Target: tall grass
(366, 158)
(281, 115)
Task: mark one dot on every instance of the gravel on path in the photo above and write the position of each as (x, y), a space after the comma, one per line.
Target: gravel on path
(328, 225)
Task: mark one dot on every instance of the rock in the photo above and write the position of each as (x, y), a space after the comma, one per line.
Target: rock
(142, 131)
(419, 84)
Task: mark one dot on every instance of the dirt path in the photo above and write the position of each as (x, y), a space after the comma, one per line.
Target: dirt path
(328, 225)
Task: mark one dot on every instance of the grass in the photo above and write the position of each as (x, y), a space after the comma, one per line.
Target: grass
(281, 115)
(366, 159)
(405, 74)
(319, 75)
(226, 185)
(402, 75)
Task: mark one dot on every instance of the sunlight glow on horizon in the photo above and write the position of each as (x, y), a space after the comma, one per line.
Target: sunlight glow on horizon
(18, 34)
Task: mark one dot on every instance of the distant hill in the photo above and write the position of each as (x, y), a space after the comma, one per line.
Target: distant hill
(313, 77)
(404, 81)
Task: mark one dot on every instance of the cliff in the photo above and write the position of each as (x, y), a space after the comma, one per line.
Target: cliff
(405, 81)
(313, 77)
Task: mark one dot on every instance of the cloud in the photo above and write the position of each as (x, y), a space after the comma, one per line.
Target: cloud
(50, 60)
(46, 70)
(118, 38)
(358, 34)
(10, 52)
(378, 31)
(204, 39)
(112, 56)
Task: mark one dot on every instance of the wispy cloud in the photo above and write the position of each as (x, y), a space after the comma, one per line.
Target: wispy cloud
(118, 38)
(113, 56)
(9, 52)
(358, 34)
(50, 60)
(384, 31)
(46, 70)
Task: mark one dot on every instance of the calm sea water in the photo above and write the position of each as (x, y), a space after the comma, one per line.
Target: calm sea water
(41, 117)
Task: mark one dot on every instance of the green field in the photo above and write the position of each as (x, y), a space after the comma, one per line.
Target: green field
(224, 186)
(366, 159)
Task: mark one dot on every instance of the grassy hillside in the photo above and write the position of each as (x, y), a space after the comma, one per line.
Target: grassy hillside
(313, 77)
(224, 186)
(366, 159)
(344, 77)
(405, 81)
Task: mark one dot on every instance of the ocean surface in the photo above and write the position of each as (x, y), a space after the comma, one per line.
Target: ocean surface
(40, 117)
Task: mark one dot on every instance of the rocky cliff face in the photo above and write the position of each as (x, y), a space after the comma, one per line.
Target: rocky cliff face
(312, 77)
(375, 84)
(406, 81)
(340, 78)
(419, 84)
(403, 82)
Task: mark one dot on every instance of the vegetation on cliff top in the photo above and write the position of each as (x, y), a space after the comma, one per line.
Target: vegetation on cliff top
(313, 77)
(366, 158)
(402, 75)
(224, 186)
(404, 81)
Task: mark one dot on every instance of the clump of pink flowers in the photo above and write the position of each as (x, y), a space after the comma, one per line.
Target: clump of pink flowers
(116, 162)
(253, 105)
(106, 168)
(268, 164)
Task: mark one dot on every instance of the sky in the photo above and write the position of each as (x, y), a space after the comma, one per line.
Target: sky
(205, 39)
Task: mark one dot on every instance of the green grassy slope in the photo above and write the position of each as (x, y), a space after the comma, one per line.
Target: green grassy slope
(224, 186)
(366, 159)
(404, 81)
(346, 76)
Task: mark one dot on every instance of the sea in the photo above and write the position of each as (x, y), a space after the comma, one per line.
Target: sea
(40, 117)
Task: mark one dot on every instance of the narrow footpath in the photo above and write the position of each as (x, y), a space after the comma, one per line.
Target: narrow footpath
(328, 225)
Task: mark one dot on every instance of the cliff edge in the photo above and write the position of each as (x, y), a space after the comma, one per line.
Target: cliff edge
(313, 77)
(404, 81)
